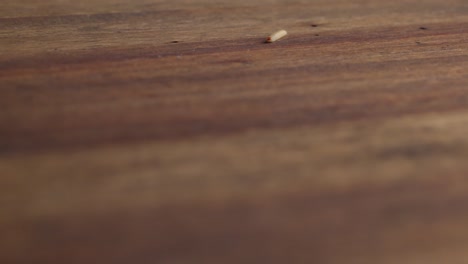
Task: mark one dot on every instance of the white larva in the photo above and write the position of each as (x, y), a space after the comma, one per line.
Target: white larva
(277, 35)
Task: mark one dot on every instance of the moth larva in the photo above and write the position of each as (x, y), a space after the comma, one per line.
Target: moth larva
(277, 35)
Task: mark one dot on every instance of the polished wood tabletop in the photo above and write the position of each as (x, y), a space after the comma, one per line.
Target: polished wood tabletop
(168, 131)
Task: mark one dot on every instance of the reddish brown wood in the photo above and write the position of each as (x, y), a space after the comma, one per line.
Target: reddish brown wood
(168, 132)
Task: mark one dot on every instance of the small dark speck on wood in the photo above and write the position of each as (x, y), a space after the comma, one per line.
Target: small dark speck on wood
(423, 28)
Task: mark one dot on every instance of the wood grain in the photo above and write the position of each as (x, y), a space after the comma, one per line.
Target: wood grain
(156, 131)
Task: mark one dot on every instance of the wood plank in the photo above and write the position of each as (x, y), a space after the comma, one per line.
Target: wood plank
(155, 131)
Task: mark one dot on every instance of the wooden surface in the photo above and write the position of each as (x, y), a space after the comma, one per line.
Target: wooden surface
(161, 131)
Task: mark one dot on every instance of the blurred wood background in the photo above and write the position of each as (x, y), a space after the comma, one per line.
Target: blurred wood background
(158, 131)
